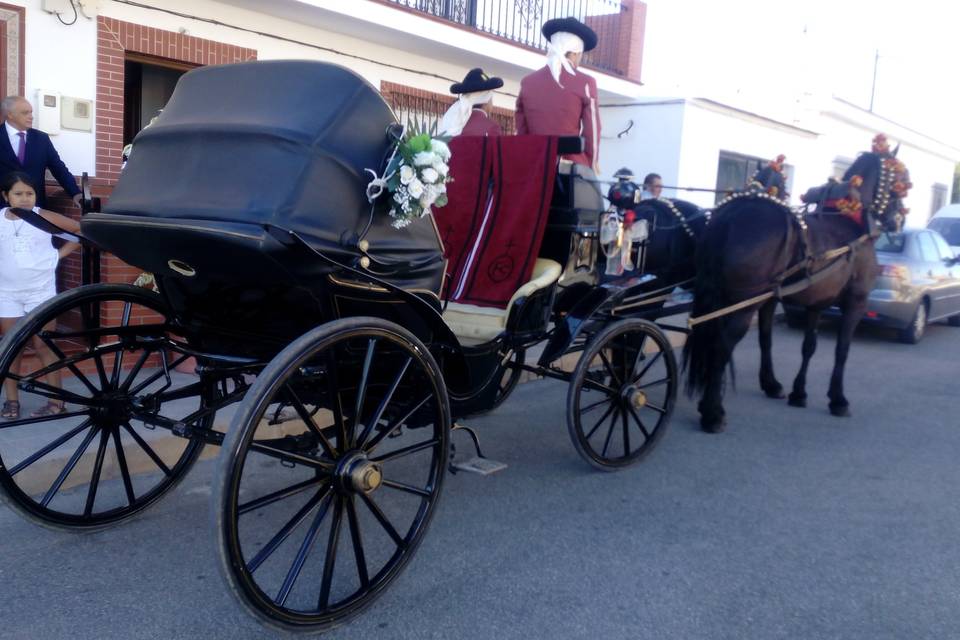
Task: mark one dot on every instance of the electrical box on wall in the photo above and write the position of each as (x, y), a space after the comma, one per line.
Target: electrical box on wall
(76, 114)
(56, 6)
(46, 112)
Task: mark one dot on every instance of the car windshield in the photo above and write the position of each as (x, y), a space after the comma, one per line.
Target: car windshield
(891, 242)
(949, 228)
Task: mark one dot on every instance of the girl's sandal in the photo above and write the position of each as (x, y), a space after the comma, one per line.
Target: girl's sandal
(49, 409)
(10, 410)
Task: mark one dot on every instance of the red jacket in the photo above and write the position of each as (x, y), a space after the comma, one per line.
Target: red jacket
(480, 124)
(547, 108)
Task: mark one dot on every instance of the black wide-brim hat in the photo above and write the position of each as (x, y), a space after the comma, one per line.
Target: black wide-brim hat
(571, 25)
(476, 80)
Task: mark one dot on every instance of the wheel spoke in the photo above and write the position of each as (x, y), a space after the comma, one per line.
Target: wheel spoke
(591, 407)
(382, 519)
(406, 451)
(147, 449)
(97, 469)
(333, 388)
(655, 383)
(48, 390)
(331, 557)
(626, 434)
(158, 374)
(118, 359)
(276, 496)
(384, 403)
(294, 572)
(601, 420)
(287, 529)
(640, 358)
(48, 448)
(135, 370)
(357, 540)
(362, 388)
(71, 463)
(70, 365)
(289, 456)
(39, 419)
(609, 368)
(636, 417)
(308, 420)
(656, 408)
(124, 470)
(606, 442)
(377, 439)
(647, 366)
(101, 371)
(402, 486)
(593, 385)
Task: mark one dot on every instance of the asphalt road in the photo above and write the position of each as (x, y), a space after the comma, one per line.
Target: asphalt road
(792, 524)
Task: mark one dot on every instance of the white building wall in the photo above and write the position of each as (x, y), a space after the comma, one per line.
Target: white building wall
(652, 145)
(708, 130)
(62, 59)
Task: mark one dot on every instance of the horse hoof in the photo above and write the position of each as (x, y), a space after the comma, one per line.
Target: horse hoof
(841, 411)
(714, 427)
(797, 401)
(775, 393)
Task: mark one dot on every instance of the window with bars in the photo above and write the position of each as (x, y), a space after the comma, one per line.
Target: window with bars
(425, 108)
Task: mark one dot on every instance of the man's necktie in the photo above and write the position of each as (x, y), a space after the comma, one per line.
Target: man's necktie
(22, 147)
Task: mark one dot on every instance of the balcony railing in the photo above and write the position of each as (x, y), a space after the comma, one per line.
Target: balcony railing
(520, 21)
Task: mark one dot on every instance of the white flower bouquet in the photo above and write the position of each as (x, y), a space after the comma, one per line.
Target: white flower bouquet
(417, 177)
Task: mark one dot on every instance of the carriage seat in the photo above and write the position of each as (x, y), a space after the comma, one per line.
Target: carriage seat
(474, 324)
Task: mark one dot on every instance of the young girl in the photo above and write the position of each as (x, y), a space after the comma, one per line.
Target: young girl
(28, 265)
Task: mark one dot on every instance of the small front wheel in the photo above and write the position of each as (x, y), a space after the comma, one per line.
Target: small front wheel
(316, 514)
(622, 394)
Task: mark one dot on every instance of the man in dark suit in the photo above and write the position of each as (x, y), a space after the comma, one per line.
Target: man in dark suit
(23, 148)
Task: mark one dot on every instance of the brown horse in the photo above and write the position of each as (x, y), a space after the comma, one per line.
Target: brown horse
(755, 244)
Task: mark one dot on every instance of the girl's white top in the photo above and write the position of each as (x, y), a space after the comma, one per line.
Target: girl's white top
(28, 259)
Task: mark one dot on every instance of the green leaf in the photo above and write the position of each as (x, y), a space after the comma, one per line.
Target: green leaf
(441, 200)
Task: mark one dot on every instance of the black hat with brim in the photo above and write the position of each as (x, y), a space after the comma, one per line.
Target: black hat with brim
(476, 80)
(571, 25)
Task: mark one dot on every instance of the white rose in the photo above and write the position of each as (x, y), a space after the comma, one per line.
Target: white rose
(442, 169)
(424, 158)
(440, 148)
(430, 194)
(415, 188)
(406, 174)
(441, 188)
(429, 175)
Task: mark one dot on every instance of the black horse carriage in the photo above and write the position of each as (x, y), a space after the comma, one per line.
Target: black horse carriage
(294, 300)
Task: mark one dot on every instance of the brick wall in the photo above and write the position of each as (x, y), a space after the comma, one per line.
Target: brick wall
(404, 99)
(12, 45)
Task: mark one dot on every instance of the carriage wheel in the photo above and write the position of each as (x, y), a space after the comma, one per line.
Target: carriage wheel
(622, 394)
(316, 516)
(510, 377)
(95, 351)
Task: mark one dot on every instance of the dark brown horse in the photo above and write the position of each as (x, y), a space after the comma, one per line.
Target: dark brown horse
(755, 244)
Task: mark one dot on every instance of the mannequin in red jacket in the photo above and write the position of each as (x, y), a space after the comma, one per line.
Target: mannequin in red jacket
(559, 99)
(470, 114)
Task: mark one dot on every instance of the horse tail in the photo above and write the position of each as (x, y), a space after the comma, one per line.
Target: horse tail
(704, 346)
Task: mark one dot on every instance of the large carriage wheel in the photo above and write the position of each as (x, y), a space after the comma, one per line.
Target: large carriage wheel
(98, 352)
(622, 394)
(316, 515)
(509, 377)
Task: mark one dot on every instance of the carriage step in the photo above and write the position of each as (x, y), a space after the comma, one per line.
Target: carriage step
(482, 466)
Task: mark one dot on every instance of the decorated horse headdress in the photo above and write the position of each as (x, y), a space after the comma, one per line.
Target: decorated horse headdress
(871, 192)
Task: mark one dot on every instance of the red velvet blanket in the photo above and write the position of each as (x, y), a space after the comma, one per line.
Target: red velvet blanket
(493, 224)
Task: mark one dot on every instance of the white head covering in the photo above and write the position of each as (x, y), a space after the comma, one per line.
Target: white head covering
(455, 119)
(561, 43)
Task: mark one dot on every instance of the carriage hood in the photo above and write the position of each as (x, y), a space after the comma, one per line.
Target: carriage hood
(283, 143)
